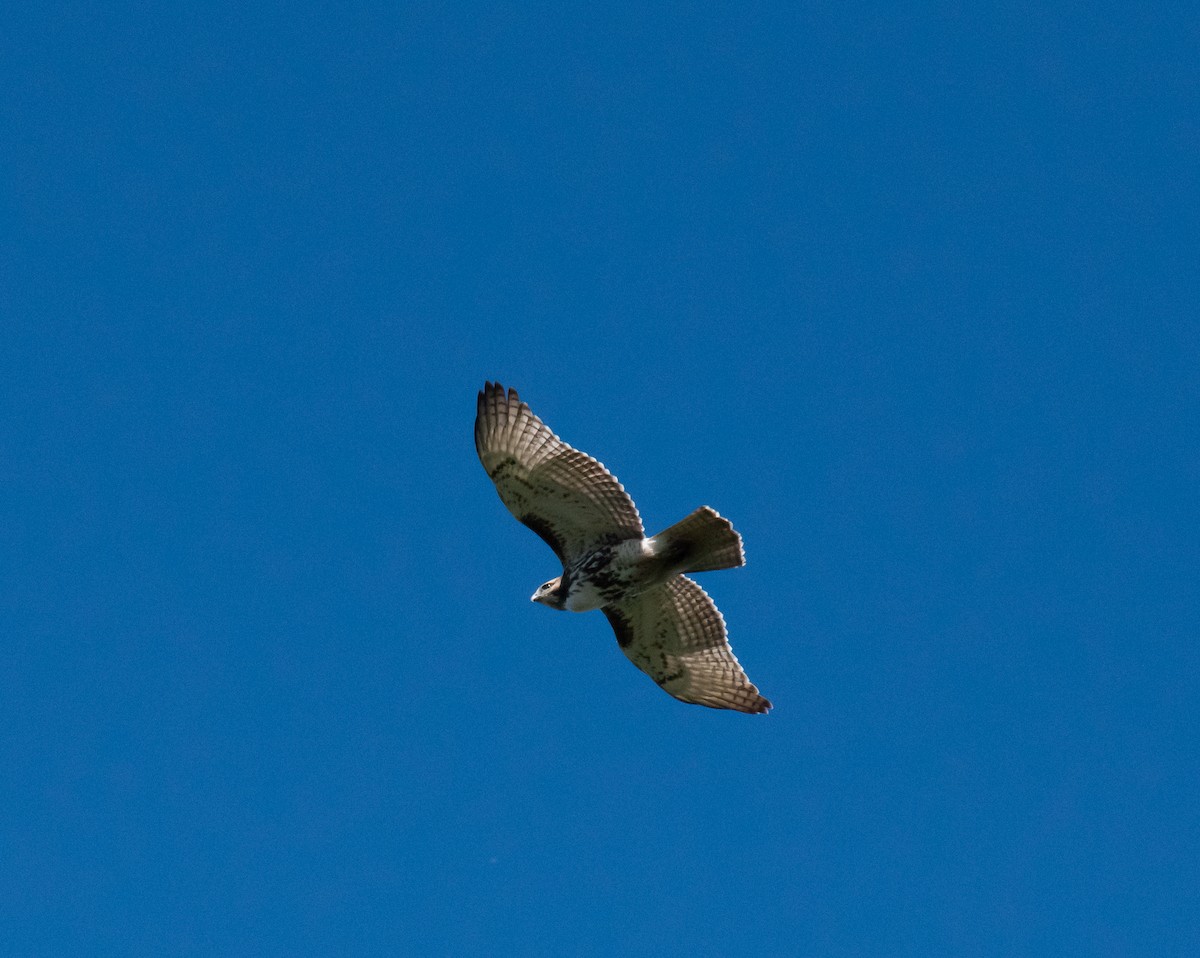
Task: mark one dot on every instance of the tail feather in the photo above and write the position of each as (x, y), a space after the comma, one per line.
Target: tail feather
(703, 541)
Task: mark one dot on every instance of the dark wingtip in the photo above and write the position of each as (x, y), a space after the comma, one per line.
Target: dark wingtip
(495, 388)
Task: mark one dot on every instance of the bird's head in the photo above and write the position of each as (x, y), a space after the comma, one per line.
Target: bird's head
(547, 593)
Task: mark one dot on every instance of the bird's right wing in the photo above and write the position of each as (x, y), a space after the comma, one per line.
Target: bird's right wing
(676, 635)
(565, 496)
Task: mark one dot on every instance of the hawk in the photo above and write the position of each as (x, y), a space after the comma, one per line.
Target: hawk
(665, 623)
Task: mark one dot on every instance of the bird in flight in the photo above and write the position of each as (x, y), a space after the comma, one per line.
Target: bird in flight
(665, 623)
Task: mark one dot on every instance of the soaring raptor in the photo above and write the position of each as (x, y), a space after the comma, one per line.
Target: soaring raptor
(665, 623)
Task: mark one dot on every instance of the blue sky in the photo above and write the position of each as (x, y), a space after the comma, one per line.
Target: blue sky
(909, 294)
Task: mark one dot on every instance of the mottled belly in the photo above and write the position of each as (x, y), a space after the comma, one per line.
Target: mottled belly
(583, 597)
(611, 575)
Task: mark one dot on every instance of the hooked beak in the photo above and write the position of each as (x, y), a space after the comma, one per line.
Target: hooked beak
(547, 593)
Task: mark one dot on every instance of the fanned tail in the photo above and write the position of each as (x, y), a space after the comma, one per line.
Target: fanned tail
(703, 541)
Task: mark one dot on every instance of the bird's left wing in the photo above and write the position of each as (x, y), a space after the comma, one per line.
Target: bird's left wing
(562, 494)
(676, 635)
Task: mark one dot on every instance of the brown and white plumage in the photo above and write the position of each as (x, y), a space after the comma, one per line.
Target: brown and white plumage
(676, 635)
(565, 496)
(664, 622)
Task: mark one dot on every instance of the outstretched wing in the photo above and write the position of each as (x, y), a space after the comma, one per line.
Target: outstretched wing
(565, 496)
(675, 634)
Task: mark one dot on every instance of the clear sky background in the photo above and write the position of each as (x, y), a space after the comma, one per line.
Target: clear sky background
(908, 293)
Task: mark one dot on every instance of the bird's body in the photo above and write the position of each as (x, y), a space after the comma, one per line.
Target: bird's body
(619, 571)
(664, 622)
(597, 578)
